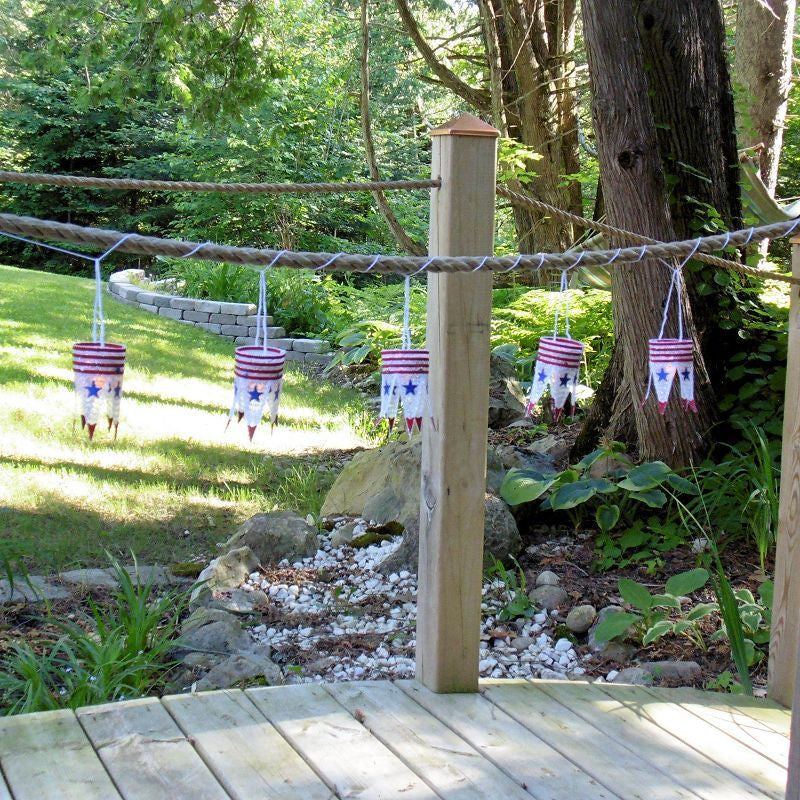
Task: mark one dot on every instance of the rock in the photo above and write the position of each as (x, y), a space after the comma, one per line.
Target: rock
(500, 538)
(594, 645)
(547, 578)
(522, 643)
(241, 602)
(673, 672)
(89, 578)
(238, 668)
(552, 675)
(562, 646)
(634, 675)
(226, 572)
(608, 467)
(31, 589)
(548, 597)
(550, 445)
(383, 484)
(219, 638)
(619, 652)
(344, 535)
(507, 399)
(580, 619)
(150, 575)
(275, 536)
(203, 616)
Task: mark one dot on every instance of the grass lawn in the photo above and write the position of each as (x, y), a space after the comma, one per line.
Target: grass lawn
(175, 482)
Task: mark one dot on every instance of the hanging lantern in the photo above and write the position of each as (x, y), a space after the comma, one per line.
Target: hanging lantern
(404, 380)
(557, 368)
(257, 383)
(667, 359)
(98, 370)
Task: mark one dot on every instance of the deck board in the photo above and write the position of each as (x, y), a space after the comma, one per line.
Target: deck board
(350, 760)
(761, 773)
(47, 755)
(746, 729)
(242, 749)
(516, 739)
(621, 720)
(145, 752)
(624, 770)
(510, 746)
(453, 768)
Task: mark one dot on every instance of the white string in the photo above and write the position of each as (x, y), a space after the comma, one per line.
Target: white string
(565, 301)
(512, 267)
(373, 264)
(98, 318)
(327, 263)
(195, 249)
(406, 335)
(675, 285)
(423, 267)
(483, 261)
(262, 328)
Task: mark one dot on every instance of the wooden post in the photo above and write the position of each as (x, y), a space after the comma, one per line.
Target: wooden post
(454, 452)
(785, 636)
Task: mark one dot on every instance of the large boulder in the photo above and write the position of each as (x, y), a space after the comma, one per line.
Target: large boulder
(500, 539)
(507, 399)
(382, 485)
(275, 536)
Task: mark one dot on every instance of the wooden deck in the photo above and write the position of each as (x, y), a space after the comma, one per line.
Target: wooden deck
(517, 739)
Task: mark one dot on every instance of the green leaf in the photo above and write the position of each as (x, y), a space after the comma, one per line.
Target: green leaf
(680, 484)
(590, 459)
(666, 601)
(646, 476)
(573, 494)
(686, 582)
(765, 592)
(635, 594)
(614, 626)
(654, 498)
(606, 516)
(632, 538)
(524, 485)
(702, 610)
(661, 628)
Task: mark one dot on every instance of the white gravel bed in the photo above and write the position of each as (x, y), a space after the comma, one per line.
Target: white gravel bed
(357, 624)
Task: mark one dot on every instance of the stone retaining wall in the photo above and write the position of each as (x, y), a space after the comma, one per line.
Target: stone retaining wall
(235, 322)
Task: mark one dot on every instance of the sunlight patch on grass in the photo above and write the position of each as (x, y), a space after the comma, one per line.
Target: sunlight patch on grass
(176, 481)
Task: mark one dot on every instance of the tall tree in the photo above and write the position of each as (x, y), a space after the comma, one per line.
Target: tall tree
(763, 74)
(529, 92)
(663, 117)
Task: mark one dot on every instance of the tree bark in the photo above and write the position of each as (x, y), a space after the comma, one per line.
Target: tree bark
(683, 46)
(635, 196)
(763, 70)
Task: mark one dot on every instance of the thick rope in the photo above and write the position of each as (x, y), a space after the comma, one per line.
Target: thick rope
(85, 182)
(403, 265)
(518, 199)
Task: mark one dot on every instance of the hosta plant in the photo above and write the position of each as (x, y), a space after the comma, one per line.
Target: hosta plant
(653, 616)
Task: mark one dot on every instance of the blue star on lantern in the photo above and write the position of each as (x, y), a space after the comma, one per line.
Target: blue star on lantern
(255, 395)
(564, 380)
(386, 388)
(662, 374)
(542, 376)
(685, 374)
(410, 387)
(93, 390)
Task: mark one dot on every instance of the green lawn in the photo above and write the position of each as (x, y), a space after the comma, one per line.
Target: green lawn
(175, 482)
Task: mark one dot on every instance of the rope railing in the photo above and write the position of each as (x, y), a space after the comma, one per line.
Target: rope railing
(136, 184)
(403, 265)
(518, 199)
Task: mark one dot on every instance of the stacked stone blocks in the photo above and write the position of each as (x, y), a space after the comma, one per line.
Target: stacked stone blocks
(235, 322)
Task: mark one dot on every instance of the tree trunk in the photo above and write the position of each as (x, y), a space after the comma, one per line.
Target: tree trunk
(635, 196)
(763, 70)
(683, 45)
(531, 98)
